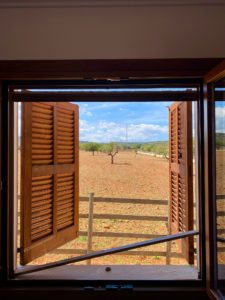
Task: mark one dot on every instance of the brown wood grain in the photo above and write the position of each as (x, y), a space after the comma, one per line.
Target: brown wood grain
(180, 174)
(103, 68)
(49, 199)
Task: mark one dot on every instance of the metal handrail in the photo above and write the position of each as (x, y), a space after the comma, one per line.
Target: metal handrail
(31, 269)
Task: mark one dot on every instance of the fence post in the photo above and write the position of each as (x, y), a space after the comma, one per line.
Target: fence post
(168, 244)
(90, 225)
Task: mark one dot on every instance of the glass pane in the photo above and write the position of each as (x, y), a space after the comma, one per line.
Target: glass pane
(219, 92)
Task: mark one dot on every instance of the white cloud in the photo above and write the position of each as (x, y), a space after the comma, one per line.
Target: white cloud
(111, 131)
(85, 112)
(220, 119)
(220, 112)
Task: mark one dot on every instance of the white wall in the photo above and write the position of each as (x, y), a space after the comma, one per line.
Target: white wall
(112, 32)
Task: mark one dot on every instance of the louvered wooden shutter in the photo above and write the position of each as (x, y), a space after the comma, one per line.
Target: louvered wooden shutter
(49, 177)
(181, 174)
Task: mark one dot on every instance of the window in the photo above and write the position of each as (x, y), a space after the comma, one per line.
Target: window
(219, 107)
(180, 115)
(14, 70)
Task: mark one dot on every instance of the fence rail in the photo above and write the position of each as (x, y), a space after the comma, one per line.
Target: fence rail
(125, 200)
(163, 218)
(130, 253)
(125, 217)
(92, 200)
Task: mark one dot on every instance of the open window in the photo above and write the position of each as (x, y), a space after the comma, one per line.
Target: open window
(49, 216)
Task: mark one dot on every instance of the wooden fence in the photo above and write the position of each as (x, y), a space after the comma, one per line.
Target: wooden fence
(167, 254)
(91, 216)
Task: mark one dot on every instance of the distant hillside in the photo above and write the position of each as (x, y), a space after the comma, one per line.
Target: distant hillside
(160, 147)
(220, 140)
(157, 147)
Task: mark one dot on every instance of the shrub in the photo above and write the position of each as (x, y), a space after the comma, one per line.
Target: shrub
(92, 147)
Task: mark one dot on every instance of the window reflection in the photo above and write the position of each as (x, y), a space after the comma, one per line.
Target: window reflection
(219, 95)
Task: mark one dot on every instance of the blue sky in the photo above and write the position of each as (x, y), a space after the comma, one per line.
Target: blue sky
(220, 116)
(107, 121)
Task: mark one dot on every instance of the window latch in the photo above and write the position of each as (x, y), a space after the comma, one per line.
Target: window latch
(124, 287)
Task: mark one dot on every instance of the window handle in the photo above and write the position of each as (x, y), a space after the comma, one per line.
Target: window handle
(125, 287)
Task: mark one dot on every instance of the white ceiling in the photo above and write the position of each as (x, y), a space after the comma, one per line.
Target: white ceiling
(88, 3)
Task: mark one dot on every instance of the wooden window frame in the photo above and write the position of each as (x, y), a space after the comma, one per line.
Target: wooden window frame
(49, 96)
(210, 182)
(12, 70)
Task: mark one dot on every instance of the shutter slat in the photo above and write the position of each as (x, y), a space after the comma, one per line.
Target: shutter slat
(64, 181)
(41, 151)
(62, 147)
(64, 197)
(62, 202)
(42, 136)
(41, 141)
(41, 110)
(41, 203)
(41, 131)
(42, 192)
(65, 111)
(65, 161)
(41, 234)
(43, 118)
(39, 229)
(62, 207)
(65, 125)
(42, 162)
(66, 192)
(42, 124)
(66, 151)
(62, 116)
(40, 219)
(43, 222)
(65, 224)
(42, 212)
(41, 187)
(65, 138)
(41, 208)
(42, 146)
(68, 216)
(65, 120)
(66, 187)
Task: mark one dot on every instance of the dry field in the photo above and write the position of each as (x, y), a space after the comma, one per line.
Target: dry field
(131, 176)
(220, 189)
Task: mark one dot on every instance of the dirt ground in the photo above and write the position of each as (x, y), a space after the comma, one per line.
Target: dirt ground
(131, 176)
(220, 190)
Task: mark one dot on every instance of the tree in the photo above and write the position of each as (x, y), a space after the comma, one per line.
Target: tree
(93, 147)
(111, 149)
(135, 147)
